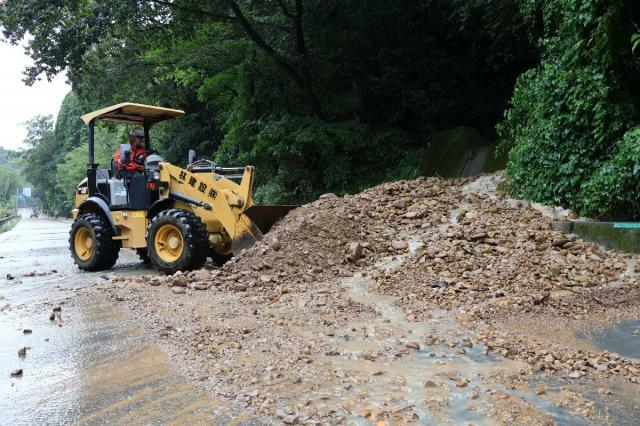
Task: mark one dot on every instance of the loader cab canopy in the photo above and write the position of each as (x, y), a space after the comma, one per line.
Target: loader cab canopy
(144, 116)
(131, 113)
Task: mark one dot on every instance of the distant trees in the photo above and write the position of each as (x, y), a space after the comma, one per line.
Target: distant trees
(10, 181)
(56, 158)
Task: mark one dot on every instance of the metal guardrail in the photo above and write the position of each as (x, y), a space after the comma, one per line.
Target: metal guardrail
(6, 219)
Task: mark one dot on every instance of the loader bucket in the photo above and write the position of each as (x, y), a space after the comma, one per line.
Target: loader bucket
(254, 223)
(246, 234)
(265, 216)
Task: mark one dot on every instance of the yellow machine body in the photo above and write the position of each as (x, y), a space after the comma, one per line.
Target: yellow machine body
(186, 215)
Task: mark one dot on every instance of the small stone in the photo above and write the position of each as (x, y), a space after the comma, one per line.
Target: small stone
(290, 419)
(27, 331)
(354, 251)
(179, 281)
(429, 384)
(399, 204)
(478, 236)
(239, 287)
(201, 286)
(327, 196)
(22, 351)
(57, 309)
(266, 279)
(541, 389)
(399, 245)
(462, 383)
(17, 373)
(575, 375)
(413, 345)
(275, 244)
(10, 277)
(52, 317)
(178, 290)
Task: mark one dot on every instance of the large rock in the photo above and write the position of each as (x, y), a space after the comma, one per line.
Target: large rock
(459, 152)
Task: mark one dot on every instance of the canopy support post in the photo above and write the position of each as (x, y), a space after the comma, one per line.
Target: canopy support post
(92, 166)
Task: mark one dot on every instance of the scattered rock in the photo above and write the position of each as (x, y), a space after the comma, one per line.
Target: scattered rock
(399, 204)
(178, 290)
(462, 383)
(17, 373)
(275, 244)
(354, 251)
(239, 287)
(290, 419)
(413, 345)
(399, 245)
(178, 281)
(22, 351)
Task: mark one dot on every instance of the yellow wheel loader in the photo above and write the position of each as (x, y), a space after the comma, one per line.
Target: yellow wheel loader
(174, 218)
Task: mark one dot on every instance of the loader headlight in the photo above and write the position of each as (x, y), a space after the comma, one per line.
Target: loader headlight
(156, 175)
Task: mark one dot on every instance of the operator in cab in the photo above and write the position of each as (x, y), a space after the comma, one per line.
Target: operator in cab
(137, 155)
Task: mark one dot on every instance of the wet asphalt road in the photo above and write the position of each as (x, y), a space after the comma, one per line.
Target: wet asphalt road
(90, 367)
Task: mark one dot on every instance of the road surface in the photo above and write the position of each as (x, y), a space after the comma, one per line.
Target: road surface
(89, 365)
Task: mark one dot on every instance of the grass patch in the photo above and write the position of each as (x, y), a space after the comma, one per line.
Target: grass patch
(9, 225)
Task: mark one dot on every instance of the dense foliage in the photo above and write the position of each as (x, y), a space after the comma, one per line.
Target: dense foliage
(569, 115)
(319, 95)
(338, 95)
(10, 180)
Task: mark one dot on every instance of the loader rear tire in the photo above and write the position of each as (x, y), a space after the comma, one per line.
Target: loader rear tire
(91, 243)
(177, 241)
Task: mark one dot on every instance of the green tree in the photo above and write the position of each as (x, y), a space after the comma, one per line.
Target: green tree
(569, 114)
(275, 83)
(10, 181)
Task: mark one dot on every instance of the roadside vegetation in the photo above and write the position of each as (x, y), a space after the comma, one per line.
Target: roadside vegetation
(10, 181)
(334, 96)
(7, 226)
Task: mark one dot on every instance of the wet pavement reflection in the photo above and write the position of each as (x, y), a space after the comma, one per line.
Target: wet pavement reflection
(89, 366)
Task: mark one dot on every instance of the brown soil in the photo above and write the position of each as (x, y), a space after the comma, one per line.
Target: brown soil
(358, 307)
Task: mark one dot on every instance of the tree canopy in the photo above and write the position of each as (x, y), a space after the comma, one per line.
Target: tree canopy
(339, 95)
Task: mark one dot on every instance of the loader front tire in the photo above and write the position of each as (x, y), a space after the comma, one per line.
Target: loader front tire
(177, 241)
(91, 243)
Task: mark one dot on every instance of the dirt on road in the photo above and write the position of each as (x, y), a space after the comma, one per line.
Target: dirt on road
(425, 301)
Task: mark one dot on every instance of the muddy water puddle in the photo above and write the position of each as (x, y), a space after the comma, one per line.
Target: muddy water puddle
(424, 372)
(91, 368)
(622, 338)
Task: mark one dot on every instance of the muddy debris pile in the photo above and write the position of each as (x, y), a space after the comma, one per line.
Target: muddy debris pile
(497, 256)
(262, 329)
(330, 238)
(553, 359)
